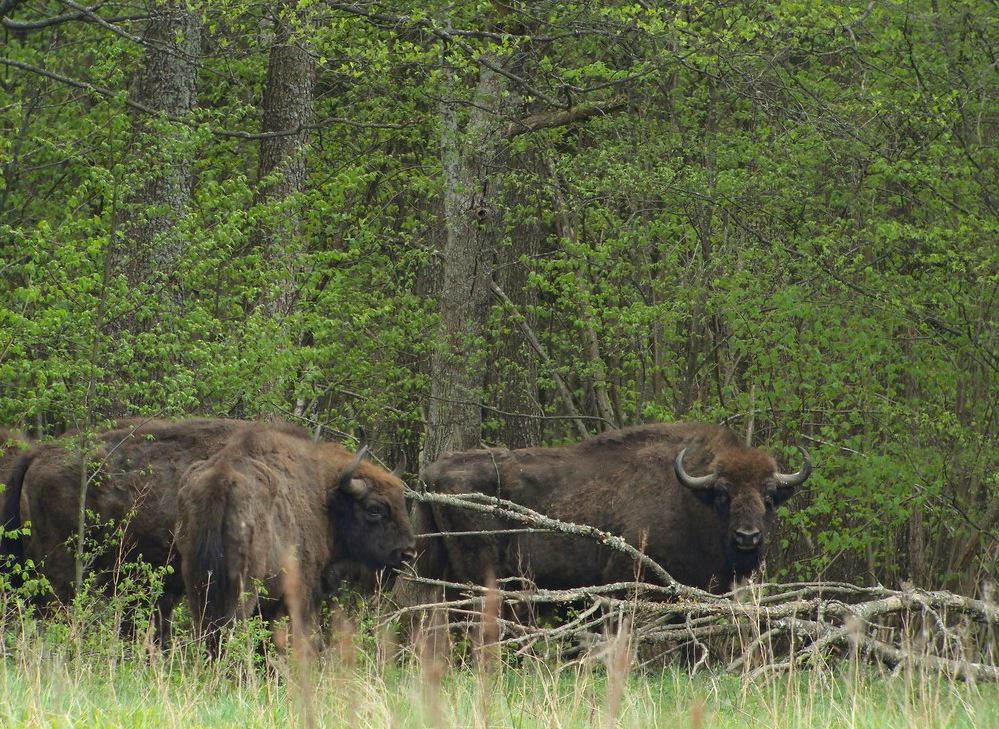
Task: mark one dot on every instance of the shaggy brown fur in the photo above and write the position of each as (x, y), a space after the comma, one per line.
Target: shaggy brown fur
(137, 472)
(267, 497)
(622, 482)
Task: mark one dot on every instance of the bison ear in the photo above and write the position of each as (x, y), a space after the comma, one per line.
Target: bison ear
(356, 488)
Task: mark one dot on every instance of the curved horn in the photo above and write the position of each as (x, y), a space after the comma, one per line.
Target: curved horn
(348, 472)
(795, 479)
(400, 466)
(350, 485)
(691, 482)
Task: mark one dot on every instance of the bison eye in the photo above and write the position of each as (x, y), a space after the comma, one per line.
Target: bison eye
(375, 512)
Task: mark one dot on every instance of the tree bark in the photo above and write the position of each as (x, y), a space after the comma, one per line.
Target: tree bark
(166, 84)
(470, 159)
(287, 106)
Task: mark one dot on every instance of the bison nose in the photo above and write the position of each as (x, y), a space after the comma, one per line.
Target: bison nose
(408, 555)
(748, 538)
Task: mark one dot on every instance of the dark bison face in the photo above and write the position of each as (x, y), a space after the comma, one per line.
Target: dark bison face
(372, 523)
(744, 488)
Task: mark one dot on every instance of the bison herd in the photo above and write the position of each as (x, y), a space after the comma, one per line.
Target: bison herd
(232, 506)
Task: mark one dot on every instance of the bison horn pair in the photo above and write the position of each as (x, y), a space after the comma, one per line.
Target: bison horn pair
(355, 487)
(704, 482)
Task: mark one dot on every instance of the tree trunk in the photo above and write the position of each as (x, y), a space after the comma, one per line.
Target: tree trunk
(287, 106)
(471, 184)
(166, 83)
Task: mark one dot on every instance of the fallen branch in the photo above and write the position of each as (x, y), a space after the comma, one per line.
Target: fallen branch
(757, 629)
(516, 512)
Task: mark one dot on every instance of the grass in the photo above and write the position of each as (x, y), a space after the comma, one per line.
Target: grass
(60, 680)
(73, 670)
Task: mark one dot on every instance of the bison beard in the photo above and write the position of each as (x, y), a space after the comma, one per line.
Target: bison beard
(705, 530)
(264, 498)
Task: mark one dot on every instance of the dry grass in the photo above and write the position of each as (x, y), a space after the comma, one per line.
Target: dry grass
(76, 674)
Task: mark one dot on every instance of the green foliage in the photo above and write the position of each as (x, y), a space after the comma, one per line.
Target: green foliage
(789, 219)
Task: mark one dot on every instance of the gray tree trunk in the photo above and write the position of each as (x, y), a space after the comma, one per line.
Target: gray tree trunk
(287, 105)
(145, 243)
(470, 157)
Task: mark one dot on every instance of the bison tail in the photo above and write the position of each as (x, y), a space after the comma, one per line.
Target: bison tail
(11, 545)
(209, 569)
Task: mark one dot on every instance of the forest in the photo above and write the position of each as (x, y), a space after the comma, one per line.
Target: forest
(443, 226)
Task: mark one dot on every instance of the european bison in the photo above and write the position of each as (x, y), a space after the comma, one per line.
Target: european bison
(135, 473)
(267, 497)
(704, 529)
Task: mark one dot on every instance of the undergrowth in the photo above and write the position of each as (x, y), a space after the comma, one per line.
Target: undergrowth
(74, 668)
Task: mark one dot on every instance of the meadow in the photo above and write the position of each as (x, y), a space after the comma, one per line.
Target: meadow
(75, 671)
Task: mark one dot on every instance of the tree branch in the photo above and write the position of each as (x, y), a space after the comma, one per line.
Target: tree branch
(249, 136)
(428, 25)
(537, 122)
(6, 6)
(27, 25)
(822, 621)
(86, 85)
(517, 512)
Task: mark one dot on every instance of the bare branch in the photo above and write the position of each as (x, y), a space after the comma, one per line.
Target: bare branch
(516, 512)
(86, 85)
(28, 25)
(550, 120)
(767, 628)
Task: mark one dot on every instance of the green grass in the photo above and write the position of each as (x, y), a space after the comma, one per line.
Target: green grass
(80, 685)
(73, 670)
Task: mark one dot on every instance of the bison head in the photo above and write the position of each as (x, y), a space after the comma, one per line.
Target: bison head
(369, 510)
(744, 487)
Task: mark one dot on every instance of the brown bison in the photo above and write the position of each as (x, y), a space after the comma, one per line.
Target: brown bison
(267, 497)
(134, 473)
(705, 529)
